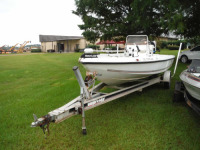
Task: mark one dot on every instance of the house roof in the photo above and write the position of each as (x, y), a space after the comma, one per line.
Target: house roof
(170, 35)
(51, 38)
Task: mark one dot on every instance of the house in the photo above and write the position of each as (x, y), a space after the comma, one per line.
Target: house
(57, 43)
(54, 43)
(168, 37)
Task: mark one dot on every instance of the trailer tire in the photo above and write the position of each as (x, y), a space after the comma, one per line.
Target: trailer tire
(178, 92)
(167, 79)
(178, 97)
(84, 132)
(167, 85)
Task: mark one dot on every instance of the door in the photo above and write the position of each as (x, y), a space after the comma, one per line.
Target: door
(60, 47)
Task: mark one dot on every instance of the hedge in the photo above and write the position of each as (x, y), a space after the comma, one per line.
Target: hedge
(93, 46)
(79, 50)
(36, 51)
(171, 44)
(173, 47)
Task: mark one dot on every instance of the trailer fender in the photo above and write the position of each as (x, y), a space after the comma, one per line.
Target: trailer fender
(167, 76)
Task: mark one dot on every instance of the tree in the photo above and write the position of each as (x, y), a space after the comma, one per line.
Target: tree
(190, 21)
(116, 19)
(191, 17)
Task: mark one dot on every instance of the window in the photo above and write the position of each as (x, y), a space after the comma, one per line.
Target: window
(138, 40)
(194, 66)
(77, 46)
(196, 48)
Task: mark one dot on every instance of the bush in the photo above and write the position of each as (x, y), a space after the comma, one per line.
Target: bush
(172, 44)
(163, 44)
(77, 50)
(36, 51)
(50, 50)
(158, 49)
(173, 47)
(93, 46)
(113, 47)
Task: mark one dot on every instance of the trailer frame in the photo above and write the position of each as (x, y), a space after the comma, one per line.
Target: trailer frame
(181, 94)
(91, 98)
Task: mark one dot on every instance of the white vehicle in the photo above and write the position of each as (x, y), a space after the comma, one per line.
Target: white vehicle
(137, 62)
(190, 54)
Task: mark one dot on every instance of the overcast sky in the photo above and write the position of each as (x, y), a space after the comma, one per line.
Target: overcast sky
(24, 20)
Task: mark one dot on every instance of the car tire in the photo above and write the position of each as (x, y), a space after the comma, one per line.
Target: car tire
(184, 59)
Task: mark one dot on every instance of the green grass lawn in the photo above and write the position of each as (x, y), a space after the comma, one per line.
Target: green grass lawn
(41, 83)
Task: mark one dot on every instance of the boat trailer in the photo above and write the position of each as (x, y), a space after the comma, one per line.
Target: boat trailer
(91, 98)
(181, 94)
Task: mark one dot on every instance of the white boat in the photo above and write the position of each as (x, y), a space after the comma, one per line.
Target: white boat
(137, 62)
(191, 79)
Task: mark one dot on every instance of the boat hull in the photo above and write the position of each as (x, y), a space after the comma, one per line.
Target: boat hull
(118, 73)
(191, 83)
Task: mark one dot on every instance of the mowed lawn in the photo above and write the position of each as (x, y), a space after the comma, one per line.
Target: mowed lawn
(43, 82)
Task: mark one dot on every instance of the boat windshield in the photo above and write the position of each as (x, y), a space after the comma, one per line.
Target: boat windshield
(194, 66)
(138, 40)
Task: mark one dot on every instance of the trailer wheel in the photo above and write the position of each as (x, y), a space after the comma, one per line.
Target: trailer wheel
(178, 97)
(167, 85)
(178, 92)
(167, 79)
(84, 132)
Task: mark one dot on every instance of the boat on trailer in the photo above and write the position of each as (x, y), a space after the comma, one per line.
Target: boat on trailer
(191, 79)
(137, 62)
(189, 87)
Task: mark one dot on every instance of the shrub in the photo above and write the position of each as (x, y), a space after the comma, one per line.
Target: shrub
(163, 44)
(93, 46)
(158, 49)
(170, 44)
(173, 47)
(110, 47)
(36, 51)
(50, 50)
(113, 47)
(77, 50)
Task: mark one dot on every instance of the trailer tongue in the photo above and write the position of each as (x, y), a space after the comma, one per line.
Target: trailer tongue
(92, 98)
